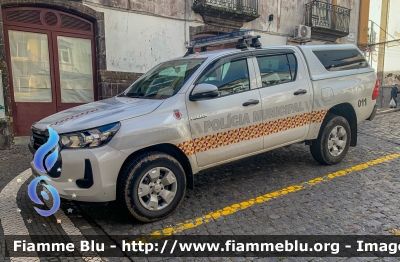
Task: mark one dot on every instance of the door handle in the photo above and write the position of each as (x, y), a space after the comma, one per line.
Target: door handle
(251, 102)
(300, 92)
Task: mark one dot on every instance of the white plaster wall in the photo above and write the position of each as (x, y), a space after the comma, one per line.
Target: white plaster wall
(394, 20)
(271, 40)
(392, 50)
(354, 5)
(136, 42)
(375, 15)
(267, 39)
(287, 14)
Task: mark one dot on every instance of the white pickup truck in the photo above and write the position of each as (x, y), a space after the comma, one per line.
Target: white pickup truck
(205, 109)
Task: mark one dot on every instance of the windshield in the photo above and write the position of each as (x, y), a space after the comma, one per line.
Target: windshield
(165, 80)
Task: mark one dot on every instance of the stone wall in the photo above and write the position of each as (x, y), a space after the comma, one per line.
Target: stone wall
(169, 8)
(5, 138)
(114, 83)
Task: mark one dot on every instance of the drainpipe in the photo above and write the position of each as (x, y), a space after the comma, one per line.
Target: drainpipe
(185, 29)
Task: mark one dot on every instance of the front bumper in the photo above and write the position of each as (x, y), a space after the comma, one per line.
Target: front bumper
(105, 163)
(373, 114)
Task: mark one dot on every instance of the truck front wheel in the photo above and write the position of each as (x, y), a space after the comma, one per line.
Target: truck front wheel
(333, 141)
(152, 186)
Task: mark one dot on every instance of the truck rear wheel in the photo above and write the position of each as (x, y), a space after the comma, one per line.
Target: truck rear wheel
(333, 141)
(152, 186)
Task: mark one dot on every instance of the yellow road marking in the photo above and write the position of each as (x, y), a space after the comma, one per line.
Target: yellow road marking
(229, 210)
(395, 232)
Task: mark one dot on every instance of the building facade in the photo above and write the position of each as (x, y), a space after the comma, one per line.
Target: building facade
(379, 36)
(56, 54)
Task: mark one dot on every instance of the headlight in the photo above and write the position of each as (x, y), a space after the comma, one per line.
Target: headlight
(95, 137)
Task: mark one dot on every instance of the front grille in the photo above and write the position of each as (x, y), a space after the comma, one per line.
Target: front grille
(39, 138)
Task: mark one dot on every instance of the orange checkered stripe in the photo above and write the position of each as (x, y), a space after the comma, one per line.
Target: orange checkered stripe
(230, 137)
(74, 117)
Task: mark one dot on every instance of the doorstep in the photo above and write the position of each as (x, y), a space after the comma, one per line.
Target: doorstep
(21, 140)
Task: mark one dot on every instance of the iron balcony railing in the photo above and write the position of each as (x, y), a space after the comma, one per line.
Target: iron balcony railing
(249, 7)
(325, 15)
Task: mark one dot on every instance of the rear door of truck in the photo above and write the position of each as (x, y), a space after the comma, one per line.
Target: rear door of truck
(286, 95)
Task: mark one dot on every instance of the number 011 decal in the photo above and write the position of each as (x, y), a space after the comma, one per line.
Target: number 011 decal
(362, 102)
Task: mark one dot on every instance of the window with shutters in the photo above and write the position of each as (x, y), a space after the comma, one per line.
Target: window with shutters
(47, 19)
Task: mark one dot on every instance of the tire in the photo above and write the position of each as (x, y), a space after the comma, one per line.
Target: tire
(328, 149)
(157, 174)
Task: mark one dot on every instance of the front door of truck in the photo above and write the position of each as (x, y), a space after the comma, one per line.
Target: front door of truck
(286, 97)
(222, 127)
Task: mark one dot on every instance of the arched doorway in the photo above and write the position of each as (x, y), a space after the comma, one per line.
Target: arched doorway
(51, 61)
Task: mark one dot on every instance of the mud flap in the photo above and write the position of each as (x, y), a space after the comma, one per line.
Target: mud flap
(373, 114)
(190, 181)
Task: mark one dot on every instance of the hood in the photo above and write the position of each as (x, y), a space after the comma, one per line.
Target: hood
(98, 114)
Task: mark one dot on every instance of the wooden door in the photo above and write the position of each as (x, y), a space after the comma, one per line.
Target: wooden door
(51, 60)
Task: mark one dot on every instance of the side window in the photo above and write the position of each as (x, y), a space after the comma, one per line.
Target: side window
(334, 60)
(276, 69)
(231, 77)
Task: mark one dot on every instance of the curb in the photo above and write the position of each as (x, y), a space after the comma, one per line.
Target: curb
(387, 111)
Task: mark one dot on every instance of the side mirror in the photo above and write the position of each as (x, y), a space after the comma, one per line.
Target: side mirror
(203, 91)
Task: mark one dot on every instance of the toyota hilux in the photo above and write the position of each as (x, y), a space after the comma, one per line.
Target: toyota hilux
(206, 108)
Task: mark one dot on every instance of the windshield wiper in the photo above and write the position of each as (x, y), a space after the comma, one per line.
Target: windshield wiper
(150, 95)
(133, 95)
(140, 96)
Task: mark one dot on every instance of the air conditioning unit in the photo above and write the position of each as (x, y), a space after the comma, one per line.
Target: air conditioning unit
(302, 31)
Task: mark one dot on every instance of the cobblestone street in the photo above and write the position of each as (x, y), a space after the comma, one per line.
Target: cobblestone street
(305, 198)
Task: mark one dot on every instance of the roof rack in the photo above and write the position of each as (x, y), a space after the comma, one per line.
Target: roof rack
(241, 37)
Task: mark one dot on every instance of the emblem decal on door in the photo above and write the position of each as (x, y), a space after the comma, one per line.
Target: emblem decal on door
(177, 114)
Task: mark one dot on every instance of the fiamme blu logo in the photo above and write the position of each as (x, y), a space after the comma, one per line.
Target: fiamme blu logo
(44, 160)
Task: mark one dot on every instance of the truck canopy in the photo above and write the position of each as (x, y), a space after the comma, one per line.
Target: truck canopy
(335, 60)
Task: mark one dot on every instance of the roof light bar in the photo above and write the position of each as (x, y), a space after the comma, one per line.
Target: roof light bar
(238, 36)
(210, 40)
